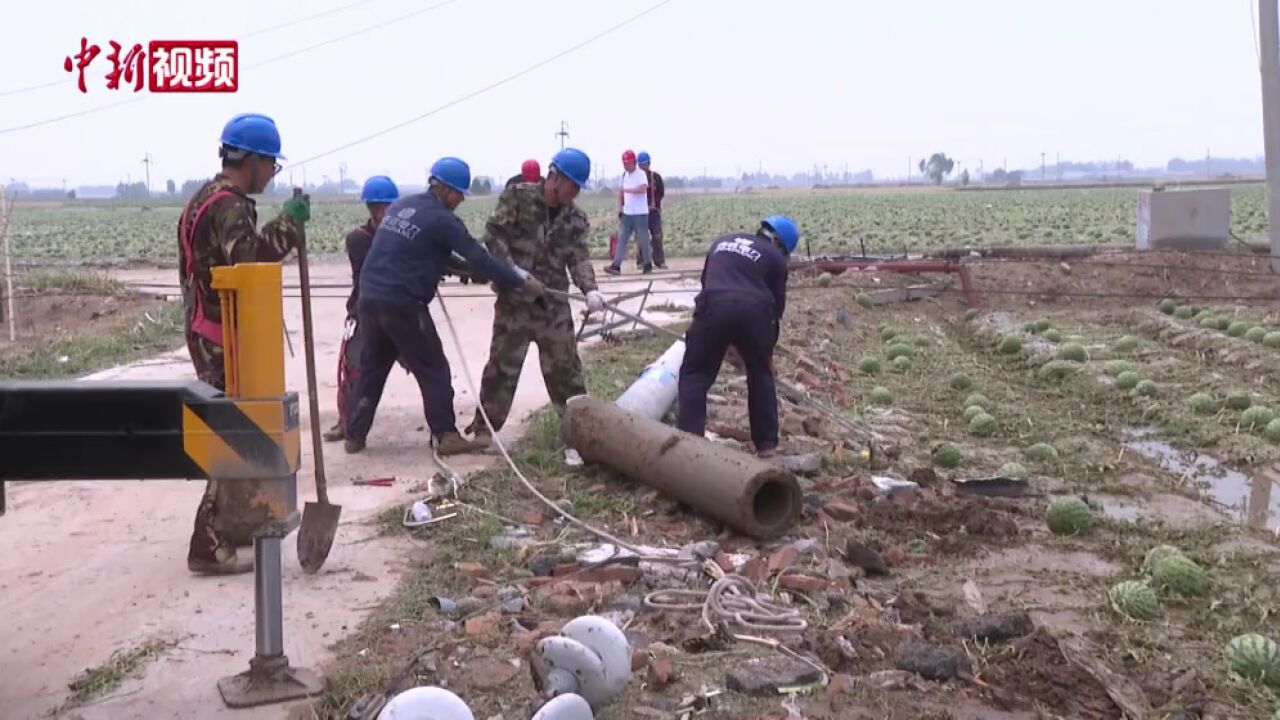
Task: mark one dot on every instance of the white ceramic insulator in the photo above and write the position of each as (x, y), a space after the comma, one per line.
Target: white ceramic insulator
(426, 703)
(565, 707)
(590, 657)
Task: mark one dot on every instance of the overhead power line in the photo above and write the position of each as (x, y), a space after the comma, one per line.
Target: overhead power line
(487, 88)
(252, 66)
(254, 33)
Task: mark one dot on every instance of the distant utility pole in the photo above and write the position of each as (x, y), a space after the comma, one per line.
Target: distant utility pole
(563, 133)
(982, 175)
(1057, 160)
(1208, 173)
(1269, 24)
(342, 178)
(146, 160)
(908, 169)
(1042, 167)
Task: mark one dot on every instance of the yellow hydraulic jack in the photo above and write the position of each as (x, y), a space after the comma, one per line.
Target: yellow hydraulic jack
(246, 439)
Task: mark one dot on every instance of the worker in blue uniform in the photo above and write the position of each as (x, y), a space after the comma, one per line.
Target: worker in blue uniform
(743, 297)
(410, 254)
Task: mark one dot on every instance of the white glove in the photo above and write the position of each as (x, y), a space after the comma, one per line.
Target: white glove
(595, 301)
(524, 274)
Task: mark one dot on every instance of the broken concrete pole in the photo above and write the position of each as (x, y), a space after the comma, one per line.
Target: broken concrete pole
(653, 392)
(753, 497)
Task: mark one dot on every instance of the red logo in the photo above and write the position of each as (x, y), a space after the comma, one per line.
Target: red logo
(167, 65)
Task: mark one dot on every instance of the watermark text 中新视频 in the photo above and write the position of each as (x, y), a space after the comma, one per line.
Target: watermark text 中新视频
(164, 66)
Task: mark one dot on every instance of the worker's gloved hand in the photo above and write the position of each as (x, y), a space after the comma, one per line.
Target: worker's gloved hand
(298, 208)
(533, 288)
(595, 301)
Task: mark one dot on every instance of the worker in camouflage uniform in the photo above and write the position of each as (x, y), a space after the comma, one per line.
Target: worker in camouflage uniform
(218, 227)
(537, 227)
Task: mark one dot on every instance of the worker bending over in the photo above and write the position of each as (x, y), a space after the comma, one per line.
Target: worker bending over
(744, 293)
(411, 248)
(217, 228)
(537, 227)
(377, 194)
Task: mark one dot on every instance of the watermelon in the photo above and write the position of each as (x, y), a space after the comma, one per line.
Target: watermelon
(869, 365)
(1272, 430)
(824, 280)
(888, 334)
(1116, 367)
(947, 455)
(1239, 400)
(1128, 380)
(982, 424)
(1202, 403)
(977, 399)
(1168, 306)
(1255, 657)
(898, 350)
(1056, 370)
(881, 396)
(1013, 470)
(1147, 388)
(902, 364)
(971, 314)
(1184, 313)
(1042, 452)
(960, 381)
(922, 341)
(1011, 345)
(1255, 334)
(1257, 417)
(1041, 325)
(1069, 516)
(1158, 552)
(973, 411)
(1180, 574)
(1127, 343)
(1053, 335)
(1134, 599)
(1221, 323)
(863, 299)
(1238, 328)
(1271, 339)
(1073, 352)
(1209, 322)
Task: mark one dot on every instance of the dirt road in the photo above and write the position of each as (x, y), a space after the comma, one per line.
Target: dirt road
(91, 567)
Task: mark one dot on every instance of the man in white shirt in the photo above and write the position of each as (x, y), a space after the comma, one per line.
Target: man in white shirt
(634, 218)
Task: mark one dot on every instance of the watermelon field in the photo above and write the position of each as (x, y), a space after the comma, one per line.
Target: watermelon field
(887, 221)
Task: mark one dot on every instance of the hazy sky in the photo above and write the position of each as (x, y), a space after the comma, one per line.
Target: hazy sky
(725, 85)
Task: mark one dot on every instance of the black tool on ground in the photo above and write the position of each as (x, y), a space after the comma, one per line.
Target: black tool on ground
(319, 518)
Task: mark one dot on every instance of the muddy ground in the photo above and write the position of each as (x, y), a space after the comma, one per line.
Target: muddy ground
(888, 582)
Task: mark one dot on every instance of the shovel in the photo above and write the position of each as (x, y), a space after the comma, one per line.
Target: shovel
(319, 518)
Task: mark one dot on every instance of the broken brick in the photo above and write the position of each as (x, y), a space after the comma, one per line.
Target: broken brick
(566, 604)
(472, 570)
(486, 624)
(537, 582)
(782, 559)
(841, 511)
(802, 583)
(730, 431)
(755, 570)
(894, 556)
(725, 563)
(566, 569)
(814, 426)
(484, 591)
(533, 517)
(808, 379)
(624, 574)
(639, 660)
(660, 673)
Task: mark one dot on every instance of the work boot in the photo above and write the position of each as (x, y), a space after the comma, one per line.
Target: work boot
(451, 443)
(765, 453)
(209, 553)
(335, 433)
(479, 433)
(611, 270)
(648, 268)
(353, 446)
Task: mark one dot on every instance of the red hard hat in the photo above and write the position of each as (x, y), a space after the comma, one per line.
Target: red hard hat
(628, 156)
(530, 171)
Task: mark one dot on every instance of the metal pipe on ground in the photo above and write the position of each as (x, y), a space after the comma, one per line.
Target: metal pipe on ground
(753, 497)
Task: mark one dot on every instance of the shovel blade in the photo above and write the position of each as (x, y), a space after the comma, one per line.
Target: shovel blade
(315, 534)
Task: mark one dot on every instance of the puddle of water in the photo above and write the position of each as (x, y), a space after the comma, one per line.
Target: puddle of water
(1172, 509)
(1250, 500)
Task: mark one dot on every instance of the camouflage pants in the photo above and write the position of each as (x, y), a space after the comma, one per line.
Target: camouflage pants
(515, 325)
(206, 545)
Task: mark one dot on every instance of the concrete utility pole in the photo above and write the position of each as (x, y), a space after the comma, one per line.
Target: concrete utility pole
(563, 133)
(1041, 167)
(342, 178)
(146, 160)
(1269, 32)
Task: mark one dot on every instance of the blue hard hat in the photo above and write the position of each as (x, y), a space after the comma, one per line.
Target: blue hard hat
(642, 158)
(253, 133)
(786, 230)
(379, 189)
(453, 172)
(574, 164)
